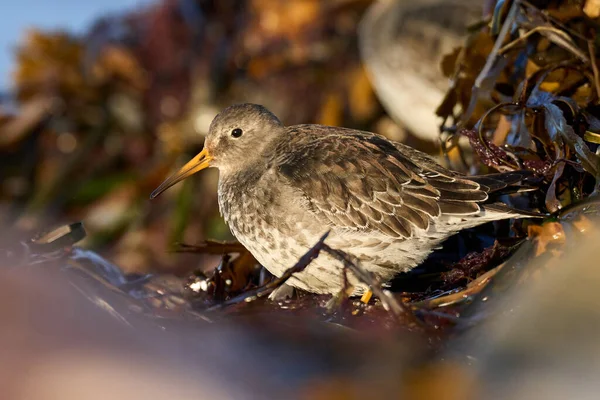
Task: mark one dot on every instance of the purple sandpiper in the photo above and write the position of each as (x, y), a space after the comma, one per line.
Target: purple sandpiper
(387, 204)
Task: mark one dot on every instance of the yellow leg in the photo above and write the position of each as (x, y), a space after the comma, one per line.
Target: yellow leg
(366, 297)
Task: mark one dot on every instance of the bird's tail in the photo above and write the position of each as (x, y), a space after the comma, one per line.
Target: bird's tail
(507, 182)
(510, 212)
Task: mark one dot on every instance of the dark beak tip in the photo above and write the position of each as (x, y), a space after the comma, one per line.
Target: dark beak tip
(154, 194)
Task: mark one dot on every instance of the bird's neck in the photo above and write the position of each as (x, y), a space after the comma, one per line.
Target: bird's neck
(241, 180)
(234, 187)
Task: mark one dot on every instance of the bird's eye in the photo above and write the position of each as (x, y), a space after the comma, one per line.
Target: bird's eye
(236, 133)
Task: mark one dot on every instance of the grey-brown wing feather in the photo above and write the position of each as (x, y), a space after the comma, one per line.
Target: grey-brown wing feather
(362, 181)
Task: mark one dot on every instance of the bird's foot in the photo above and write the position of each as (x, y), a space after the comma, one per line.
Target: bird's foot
(336, 302)
(366, 297)
(333, 303)
(283, 292)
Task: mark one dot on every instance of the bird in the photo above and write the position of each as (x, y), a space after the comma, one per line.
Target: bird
(384, 203)
(402, 44)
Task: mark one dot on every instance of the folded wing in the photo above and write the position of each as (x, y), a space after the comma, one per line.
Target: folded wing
(361, 181)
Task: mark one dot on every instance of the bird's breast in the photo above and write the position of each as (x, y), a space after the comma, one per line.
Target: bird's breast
(269, 219)
(251, 205)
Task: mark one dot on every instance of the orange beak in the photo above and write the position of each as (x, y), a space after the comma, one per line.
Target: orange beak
(198, 163)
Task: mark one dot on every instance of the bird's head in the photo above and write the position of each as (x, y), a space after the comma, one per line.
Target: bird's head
(238, 135)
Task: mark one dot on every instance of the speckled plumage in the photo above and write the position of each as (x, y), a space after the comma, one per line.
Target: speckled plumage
(281, 188)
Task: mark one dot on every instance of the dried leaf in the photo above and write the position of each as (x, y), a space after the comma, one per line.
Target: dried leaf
(490, 154)
(592, 8)
(552, 202)
(331, 110)
(557, 126)
(448, 63)
(361, 98)
(546, 235)
(118, 62)
(591, 137)
(502, 130)
(473, 287)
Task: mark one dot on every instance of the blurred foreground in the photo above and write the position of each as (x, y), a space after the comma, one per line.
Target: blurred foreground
(75, 327)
